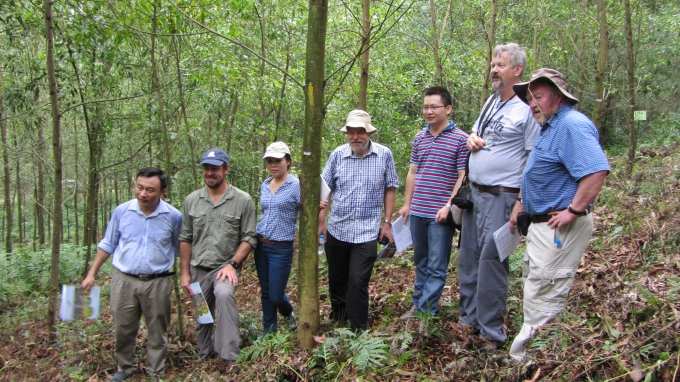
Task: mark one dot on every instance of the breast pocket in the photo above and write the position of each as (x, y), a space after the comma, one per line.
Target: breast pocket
(230, 225)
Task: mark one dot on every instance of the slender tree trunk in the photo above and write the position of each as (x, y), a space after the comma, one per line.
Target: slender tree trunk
(632, 135)
(581, 59)
(308, 268)
(41, 185)
(56, 150)
(20, 215)
(76, 183)
(435, 46)
(490, 40)
(194, 169)
(601, 68)
(366, 37)
(8, 178)
(536, 48)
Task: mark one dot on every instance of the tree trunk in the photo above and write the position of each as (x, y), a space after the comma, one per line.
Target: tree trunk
(308, 268)
(632, 135)
(490, 42)
(366, 37)
(601, 67)
(8, 178)
(581, 54)
(56, 151)
(41, 185)
(435, 46)
(20, 215)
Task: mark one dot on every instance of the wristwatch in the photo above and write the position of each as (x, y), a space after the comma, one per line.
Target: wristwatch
(577, 213)
(233, 263)
(387, 221)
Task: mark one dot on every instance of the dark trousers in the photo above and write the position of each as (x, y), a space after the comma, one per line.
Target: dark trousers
(349, 271)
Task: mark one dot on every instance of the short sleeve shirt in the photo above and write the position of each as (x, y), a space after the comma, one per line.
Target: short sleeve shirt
(216, 231)
(280, 210)
(567, 150)
(438, 160)
(358, 186)
(510, 132)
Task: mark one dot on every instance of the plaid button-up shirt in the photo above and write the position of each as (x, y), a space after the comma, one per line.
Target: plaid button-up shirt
(358, 186)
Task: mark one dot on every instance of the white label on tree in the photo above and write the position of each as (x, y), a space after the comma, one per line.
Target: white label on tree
(640, 115)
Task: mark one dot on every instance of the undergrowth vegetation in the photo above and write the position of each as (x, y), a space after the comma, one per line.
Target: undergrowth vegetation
(621, 321)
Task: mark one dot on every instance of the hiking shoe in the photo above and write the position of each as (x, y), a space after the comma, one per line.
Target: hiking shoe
(409, 313)
(292, 322)
(121, 376)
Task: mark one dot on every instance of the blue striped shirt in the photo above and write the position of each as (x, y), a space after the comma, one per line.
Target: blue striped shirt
(279, 211)
(438, 160)
(567, 150)
(358, 186)
(140, 244)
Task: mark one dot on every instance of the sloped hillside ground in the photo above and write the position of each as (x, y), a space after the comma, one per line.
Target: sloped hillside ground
(622, 321)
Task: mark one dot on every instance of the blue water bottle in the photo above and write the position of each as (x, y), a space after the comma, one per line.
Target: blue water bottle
(322, 244)
(558, 238)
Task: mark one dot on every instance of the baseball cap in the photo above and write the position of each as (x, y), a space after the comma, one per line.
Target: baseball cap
(215, 157)
(276, 150)
(358, 118)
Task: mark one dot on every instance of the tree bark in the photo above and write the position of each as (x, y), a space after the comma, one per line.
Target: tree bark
(490, 40)
(632, 133)
(366, 37)
(308, 268)
(8, 178)
(56, 151)
(435, 46)
(601, 67)
(41, 185)
(20, 215)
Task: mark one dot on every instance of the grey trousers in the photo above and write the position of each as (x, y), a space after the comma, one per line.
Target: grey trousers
(484, 279)
(130, 298)
(223, 336)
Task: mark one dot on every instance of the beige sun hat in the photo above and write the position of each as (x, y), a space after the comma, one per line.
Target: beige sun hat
(276, 150)
(551, 75)
(358, 118)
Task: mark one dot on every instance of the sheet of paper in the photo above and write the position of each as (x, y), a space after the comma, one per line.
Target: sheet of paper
(76, 304)
(506, 242)
(402, 234)
(201, 310)
(325, 190)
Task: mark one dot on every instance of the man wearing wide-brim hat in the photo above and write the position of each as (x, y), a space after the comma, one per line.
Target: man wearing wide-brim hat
(363, 180)
(562, 177)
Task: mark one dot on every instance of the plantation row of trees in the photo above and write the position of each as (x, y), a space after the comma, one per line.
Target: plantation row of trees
(157, 82)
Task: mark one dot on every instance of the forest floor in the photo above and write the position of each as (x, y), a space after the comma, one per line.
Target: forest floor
(622, 320)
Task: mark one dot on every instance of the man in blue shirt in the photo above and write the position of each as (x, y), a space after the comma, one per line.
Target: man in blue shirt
(143, 236)
(362, 178)
(564, 173)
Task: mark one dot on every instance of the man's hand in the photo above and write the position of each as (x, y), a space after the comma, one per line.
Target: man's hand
(403, 211)
(87, 283)
(560, 218)
(323, 204)
(516, 209)
(228, 273)
(442, 214)
(475, 142)
(386, 231)
(184, 281)
(322, 230)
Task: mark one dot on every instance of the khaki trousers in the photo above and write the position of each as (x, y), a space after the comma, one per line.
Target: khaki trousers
(223, 336)
(548, 275)
(130, 298)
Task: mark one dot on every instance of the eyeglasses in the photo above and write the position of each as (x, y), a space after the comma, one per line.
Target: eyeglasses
(432, 107)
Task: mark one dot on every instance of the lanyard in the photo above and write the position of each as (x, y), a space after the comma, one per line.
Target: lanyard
(487, 120)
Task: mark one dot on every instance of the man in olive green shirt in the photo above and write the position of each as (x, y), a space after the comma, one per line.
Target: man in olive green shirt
(218, 232)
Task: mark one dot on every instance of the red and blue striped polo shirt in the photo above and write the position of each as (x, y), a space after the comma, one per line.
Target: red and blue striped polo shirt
(438, 160)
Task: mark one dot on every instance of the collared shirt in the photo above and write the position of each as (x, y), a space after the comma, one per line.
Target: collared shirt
(216, 231)
(438, 160)
(567, 150)
(140, 244)
(358, 186)
(280, 210)
(511, 131)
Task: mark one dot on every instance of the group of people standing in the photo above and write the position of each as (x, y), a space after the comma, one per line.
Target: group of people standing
(529, 152)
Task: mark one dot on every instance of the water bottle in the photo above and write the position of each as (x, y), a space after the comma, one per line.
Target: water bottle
(322, 244)
(558, 237)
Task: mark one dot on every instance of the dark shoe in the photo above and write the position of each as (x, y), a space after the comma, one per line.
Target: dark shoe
(292, 322)
(121, 376)
(409, 313)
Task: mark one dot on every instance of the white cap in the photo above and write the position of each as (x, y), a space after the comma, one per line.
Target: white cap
(276, 150)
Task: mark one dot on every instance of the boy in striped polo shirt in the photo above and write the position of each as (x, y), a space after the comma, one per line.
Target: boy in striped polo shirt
(437, 168)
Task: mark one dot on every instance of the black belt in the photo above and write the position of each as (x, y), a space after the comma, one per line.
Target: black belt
(151, 276)
(263, 239)
(206, 269)
(544, 218)
(495, 189)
